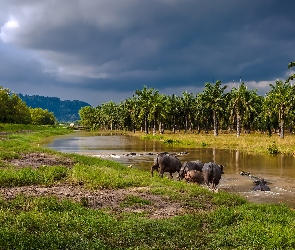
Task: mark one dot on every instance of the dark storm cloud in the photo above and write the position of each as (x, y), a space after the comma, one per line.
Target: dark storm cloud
(116, 47)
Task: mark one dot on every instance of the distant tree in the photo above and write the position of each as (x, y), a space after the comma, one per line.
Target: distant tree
(186, 109)
(132, 109)
(88, 116)
(173, 111)
(19, 111)
(110, 111)
(280, 101)
(42, 117)
(157, 112)
(244, 106)
(213, 99)
(12, 108)
(291, 77)
(145, 99)
(4, 104)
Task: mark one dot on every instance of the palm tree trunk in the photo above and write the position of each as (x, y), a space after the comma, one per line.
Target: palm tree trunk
(282, 124)
(238, 124)
(146, 126)
(174, 125)
(186, 123)
(215, 123)
(154, 128)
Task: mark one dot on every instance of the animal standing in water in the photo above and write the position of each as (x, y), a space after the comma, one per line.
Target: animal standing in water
(261, 185)
(212, 174)
(166, 163)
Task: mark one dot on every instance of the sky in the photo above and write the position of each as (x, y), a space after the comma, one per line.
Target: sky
(104, 50)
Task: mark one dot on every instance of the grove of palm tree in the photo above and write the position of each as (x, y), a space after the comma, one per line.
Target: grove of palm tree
(236, 111)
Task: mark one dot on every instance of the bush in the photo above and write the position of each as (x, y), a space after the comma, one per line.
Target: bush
(273, 149)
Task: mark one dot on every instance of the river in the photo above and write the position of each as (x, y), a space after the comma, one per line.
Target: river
(277, 170)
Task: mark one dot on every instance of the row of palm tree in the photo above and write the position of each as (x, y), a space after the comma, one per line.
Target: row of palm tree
(213, 109)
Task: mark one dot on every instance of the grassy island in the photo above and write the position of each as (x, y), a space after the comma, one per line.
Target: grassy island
(51, 200)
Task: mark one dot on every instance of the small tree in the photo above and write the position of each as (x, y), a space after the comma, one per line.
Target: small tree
(42, 117)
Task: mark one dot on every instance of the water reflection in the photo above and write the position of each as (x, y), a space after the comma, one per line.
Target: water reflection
(277, 170)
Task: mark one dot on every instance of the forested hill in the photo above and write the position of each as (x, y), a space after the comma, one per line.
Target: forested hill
(64, 111)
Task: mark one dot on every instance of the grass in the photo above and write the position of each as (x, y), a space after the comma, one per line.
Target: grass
(10, 177)
(35, 223)
(218, 220)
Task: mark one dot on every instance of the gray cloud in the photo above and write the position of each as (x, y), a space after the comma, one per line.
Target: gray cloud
(112, 48)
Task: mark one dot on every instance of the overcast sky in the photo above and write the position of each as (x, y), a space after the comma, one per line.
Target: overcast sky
(102, 50)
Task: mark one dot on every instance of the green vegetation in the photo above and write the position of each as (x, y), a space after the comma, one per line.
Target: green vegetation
(14, 110)
(255, 142)
(213, 220)
(27, 176)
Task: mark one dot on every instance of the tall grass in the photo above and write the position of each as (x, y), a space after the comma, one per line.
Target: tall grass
(255, 142)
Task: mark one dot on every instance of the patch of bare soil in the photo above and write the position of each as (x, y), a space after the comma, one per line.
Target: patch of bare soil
(38, 159)
(158, 207)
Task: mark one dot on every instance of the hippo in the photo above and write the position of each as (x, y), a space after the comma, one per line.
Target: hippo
(212, 174)
(194, 176)
(166, 163)
(190, 165)
(261, 185)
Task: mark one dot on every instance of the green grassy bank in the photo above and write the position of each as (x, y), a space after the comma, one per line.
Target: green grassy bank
(213, 221)
(254, 142)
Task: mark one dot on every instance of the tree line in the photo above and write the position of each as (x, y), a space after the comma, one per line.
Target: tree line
(14, 110)
(213, 109)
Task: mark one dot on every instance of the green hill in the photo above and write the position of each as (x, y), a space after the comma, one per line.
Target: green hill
(64, 111)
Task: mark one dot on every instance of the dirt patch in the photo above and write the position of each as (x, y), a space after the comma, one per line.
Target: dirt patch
(158, 206)
(38, 159)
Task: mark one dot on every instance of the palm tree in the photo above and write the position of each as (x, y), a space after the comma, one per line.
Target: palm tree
(146, 98)
(173, 104)
(242, 106)
(160, 109)
(290, 78)
(109, 110)
(281, 101)
(187, 103)
(213, 98)
(131, 113)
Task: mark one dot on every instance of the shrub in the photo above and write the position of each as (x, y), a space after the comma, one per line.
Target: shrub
(273, 149)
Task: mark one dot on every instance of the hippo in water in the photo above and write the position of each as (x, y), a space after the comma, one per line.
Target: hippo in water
(261, 185)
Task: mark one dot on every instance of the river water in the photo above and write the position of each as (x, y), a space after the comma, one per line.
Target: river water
(277, 170)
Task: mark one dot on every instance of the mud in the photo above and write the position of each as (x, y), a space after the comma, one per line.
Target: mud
(38, 159)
